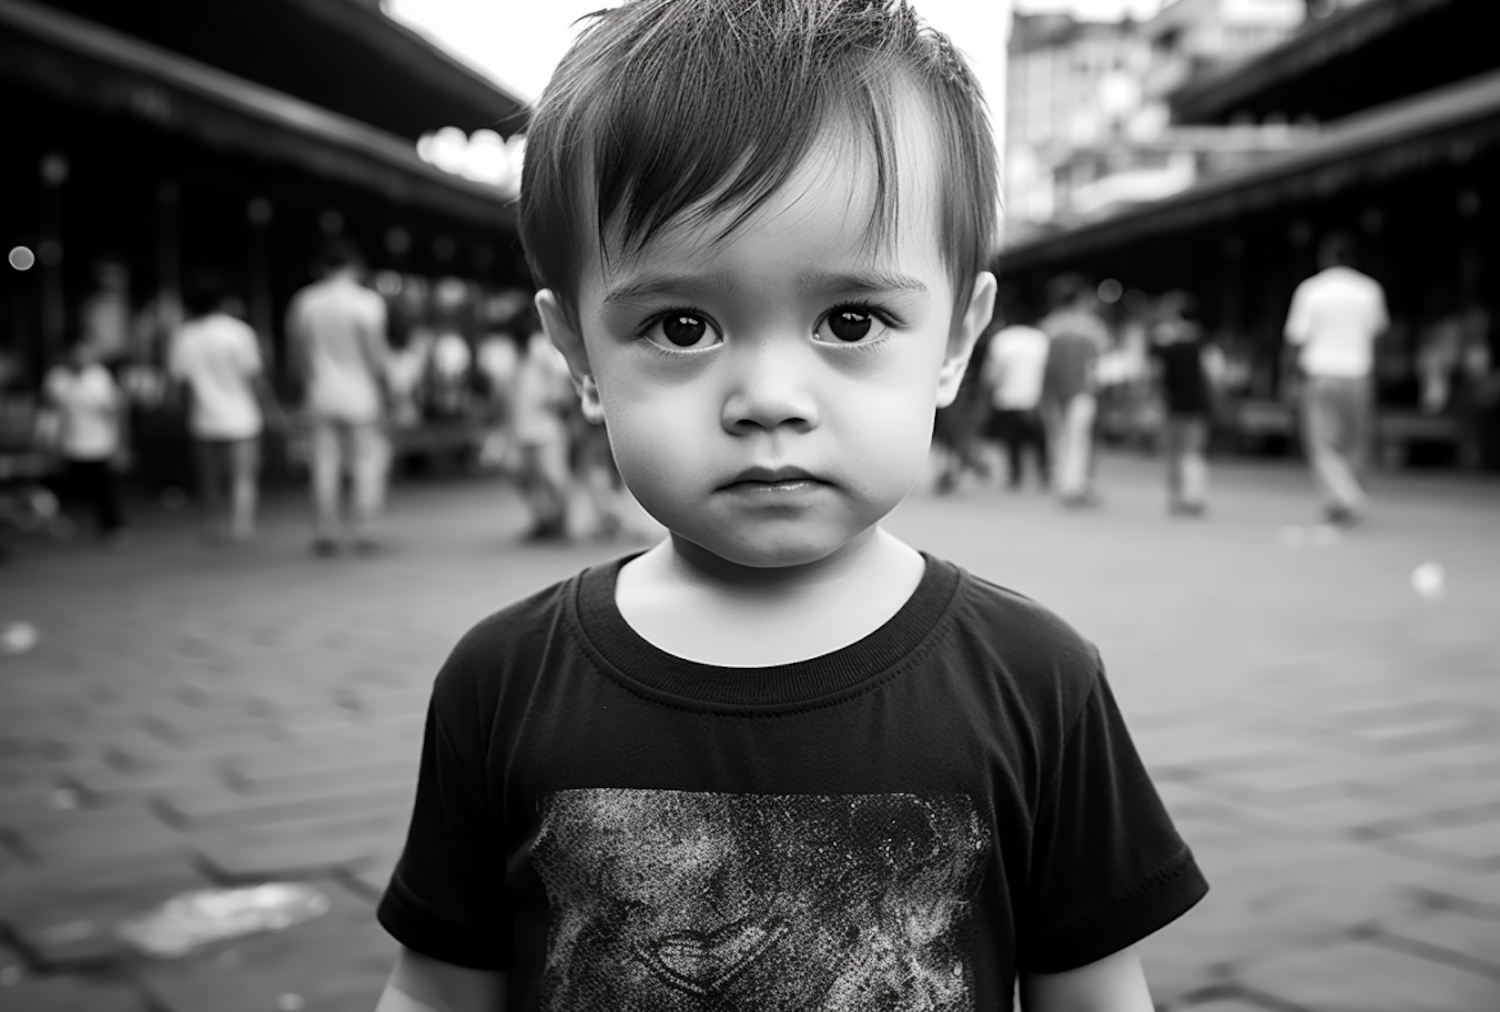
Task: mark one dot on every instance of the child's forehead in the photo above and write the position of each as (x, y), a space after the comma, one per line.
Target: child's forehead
(834, 189)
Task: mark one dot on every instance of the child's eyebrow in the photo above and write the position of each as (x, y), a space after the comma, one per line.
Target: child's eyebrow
(859, 282)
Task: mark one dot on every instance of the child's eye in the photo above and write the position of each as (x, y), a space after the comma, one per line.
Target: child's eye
(681, 330)
(850, 325)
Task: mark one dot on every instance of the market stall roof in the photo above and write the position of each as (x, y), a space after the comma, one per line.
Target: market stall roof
(1358, 58)
(1447, 126)
(80, 63)
(342, 55)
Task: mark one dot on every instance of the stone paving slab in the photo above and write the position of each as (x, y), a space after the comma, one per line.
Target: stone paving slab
(69, 994)
(1327, 738)
(1363, 975)
(336, 963)
(69, 919)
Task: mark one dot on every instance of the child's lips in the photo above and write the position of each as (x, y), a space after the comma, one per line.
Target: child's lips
(773, 477)
(772, 487)
(779, 484)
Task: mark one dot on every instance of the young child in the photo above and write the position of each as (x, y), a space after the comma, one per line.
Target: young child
(91, 408)
(782, 760)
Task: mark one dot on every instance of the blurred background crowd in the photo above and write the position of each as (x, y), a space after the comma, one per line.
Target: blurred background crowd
(1171, 176)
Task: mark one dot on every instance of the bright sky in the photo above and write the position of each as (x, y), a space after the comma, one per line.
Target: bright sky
(518, 42)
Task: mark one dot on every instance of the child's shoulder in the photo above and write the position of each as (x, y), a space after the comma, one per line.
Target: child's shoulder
(1023, 638)
(503, 641)
(513, 627)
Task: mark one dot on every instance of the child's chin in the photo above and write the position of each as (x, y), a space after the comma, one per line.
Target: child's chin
(773, 553)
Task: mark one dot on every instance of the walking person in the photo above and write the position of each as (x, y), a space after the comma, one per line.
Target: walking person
(1075, 339)
(1014, 364)
(90, 408)
(1180, 352)
(543, 399)
(336, 337)
(215, 359)
(1335, 319)
(958, 429)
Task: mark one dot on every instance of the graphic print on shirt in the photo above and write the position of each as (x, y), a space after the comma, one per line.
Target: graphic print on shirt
(673, 901)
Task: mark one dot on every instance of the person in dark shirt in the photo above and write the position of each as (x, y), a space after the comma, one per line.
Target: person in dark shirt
(781, 760)
(1180, 353)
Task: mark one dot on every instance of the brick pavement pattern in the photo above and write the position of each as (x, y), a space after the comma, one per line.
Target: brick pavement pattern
(1327, 737)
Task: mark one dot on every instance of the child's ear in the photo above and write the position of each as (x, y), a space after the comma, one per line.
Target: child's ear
(568, 339)
(966, 330)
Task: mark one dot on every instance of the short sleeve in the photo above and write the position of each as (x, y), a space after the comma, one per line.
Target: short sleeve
(1382, 319)
(176, 357)
(1297, 322)
(446, 899)
(56, 384)
(249, 356)
(1108, 867)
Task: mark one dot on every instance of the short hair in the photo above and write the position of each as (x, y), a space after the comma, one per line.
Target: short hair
(1066, 289)
(1336, 250)
(712, 105)
(342, 252)
(204, 291)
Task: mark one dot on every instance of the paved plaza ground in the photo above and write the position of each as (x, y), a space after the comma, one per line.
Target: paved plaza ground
(1325, 729)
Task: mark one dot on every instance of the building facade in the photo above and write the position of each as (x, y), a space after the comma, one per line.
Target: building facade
(158, 139)
(1088, 119)
(1412, 177)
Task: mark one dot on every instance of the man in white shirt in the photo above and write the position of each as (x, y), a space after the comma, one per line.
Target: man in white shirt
(1335, 319)
(1014, 363)
(336, 336)
(217, 359)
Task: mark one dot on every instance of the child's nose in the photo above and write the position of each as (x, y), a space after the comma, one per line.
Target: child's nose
(770, 389)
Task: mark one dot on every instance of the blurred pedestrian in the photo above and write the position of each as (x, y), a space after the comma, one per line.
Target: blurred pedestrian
(957, 429)
(497, 360)
(90, 408)
(215, 360)
(544, 393)
(1335, 318)
(1014, 364)
(1076, 337)
(594, 465)
(336, 337)
(1180, 353)
(405, 369)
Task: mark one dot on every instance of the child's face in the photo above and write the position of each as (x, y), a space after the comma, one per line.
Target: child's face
(770, 396)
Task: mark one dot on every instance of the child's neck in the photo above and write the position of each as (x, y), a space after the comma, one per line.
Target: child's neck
(696, 605)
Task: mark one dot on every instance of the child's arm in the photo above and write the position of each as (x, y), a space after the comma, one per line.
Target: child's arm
(420, 983)
(1113, 984)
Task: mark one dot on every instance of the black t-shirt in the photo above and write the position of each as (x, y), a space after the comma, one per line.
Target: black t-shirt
(1184, 380)
(906, 822)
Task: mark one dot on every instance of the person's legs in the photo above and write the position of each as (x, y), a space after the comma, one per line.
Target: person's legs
(1053, 414)
(1077, 426)
(326, 464)
(370, 457)
(244, 471)
(111, 511)
(1173, 436)
(210, 455)
(1193, 463)
(602, 479)
(1035, 433)
(552, 459)
(94, 483)
(1360, 396)
(1008, 426)
(1325, 426)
